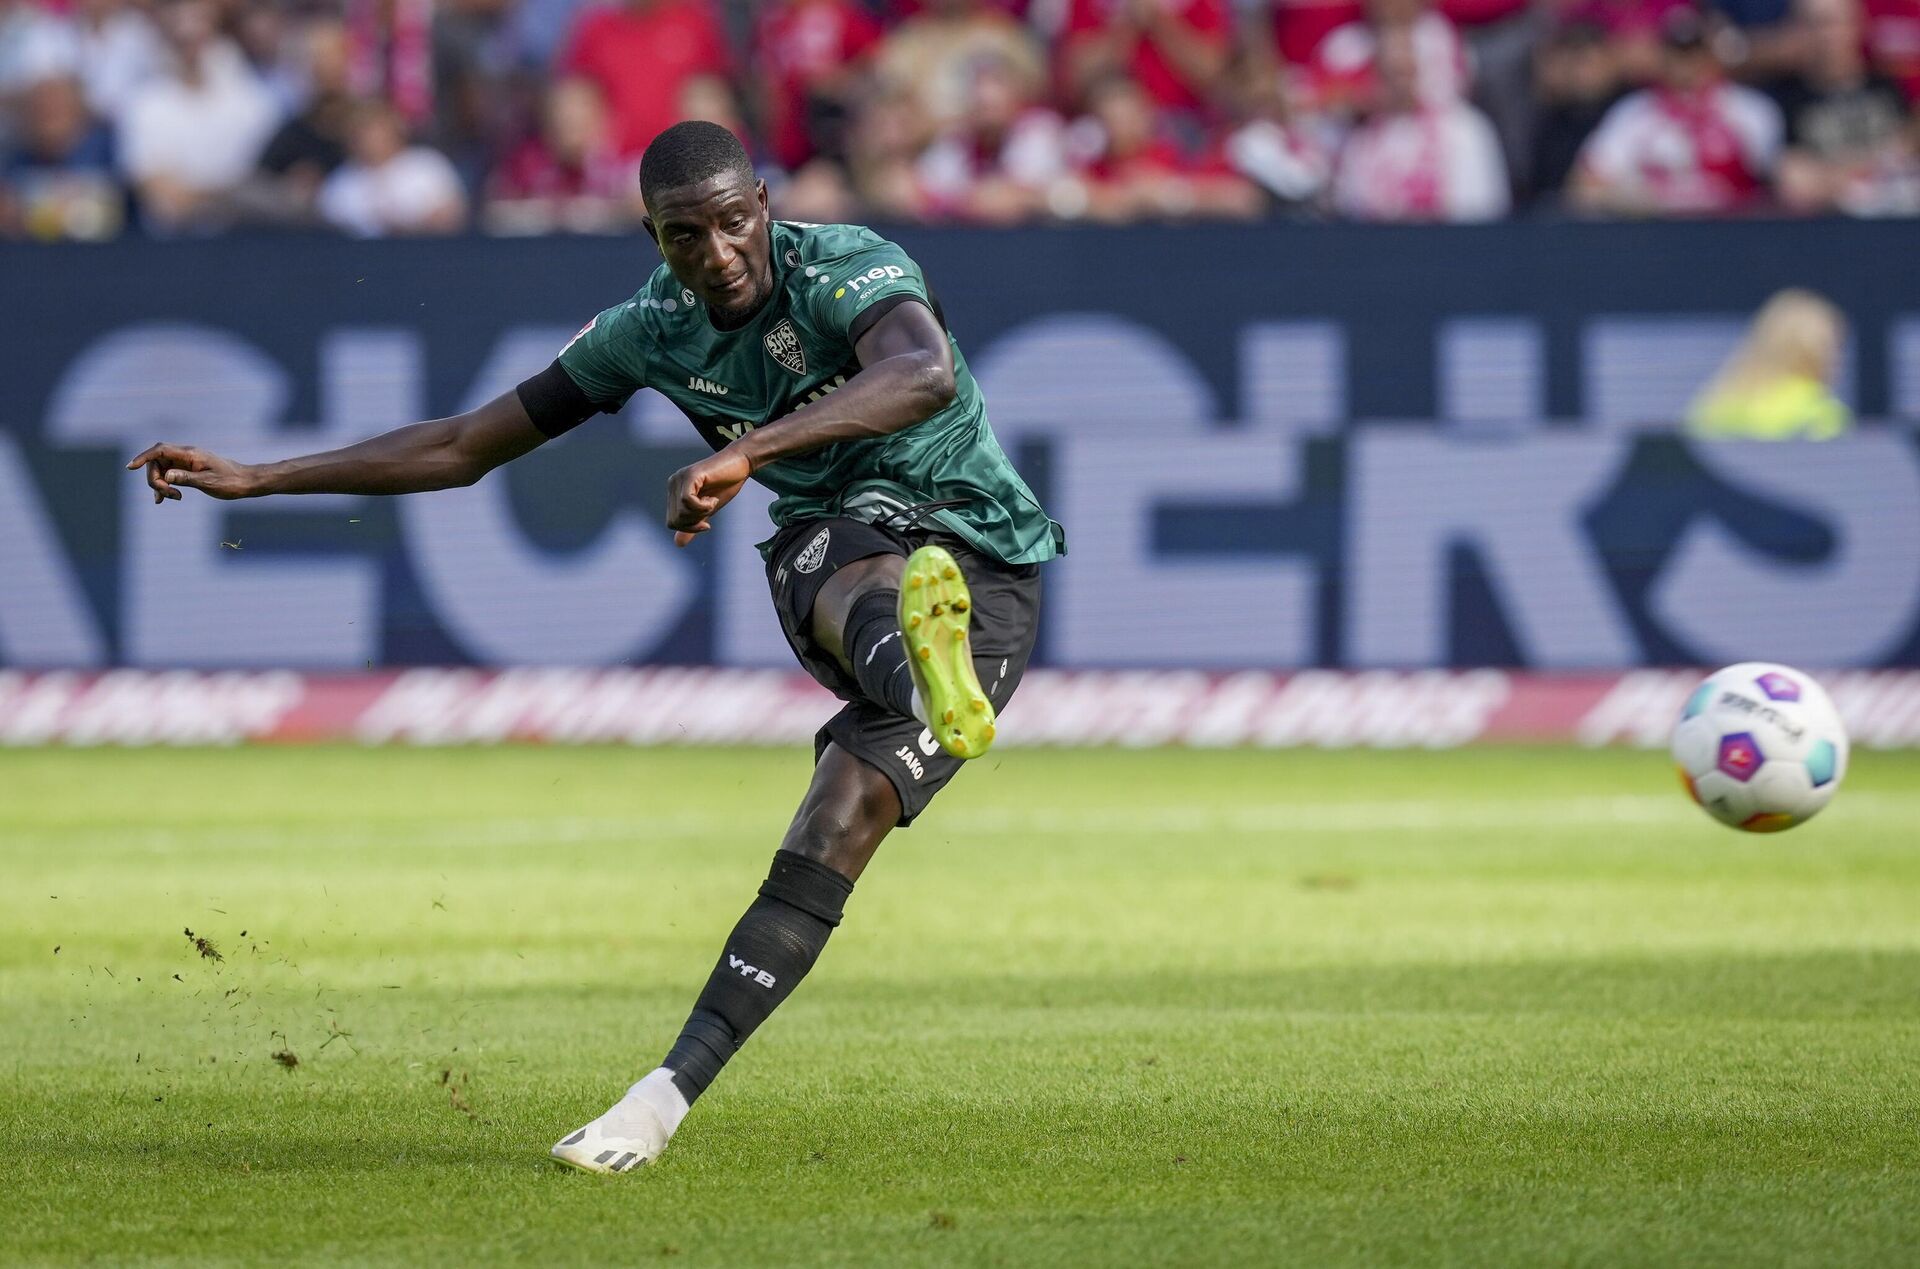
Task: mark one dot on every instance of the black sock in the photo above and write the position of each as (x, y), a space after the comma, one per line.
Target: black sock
(878, 653)
(767, 955)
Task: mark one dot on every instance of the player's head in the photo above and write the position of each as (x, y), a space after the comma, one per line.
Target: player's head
(708, 213)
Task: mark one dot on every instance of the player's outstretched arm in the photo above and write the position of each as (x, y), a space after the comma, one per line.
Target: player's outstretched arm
(437, 454)
(906, 376)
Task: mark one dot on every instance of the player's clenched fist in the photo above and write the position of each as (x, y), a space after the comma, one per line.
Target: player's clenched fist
(696, 492)
(171, 468)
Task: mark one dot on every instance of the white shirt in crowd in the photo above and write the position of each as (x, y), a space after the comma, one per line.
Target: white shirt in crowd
(207, 135)
(1707, 152)
(399, 196)
(1033, 154)
(1442, 162)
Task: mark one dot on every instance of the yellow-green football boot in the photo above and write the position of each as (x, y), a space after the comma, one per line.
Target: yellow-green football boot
(935, 609)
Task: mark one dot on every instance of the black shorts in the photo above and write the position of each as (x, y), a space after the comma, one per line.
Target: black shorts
(1006, 615)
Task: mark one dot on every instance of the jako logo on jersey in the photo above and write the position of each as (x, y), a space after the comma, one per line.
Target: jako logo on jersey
(707, 385)
(912, 760)
(815, 555)
(758, 975)
(783, 345)
(878, 273)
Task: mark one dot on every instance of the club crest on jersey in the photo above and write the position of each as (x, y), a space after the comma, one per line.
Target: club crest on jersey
(783, 345)
(815, 555)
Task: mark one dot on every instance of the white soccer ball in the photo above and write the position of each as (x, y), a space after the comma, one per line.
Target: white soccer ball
(1760, 747)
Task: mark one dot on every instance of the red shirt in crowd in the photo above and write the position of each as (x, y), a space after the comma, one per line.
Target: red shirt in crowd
(1300, 25)
(796, 46)
(531, 170)
(1624, 17)
(1209, 18)
(641, 54)
(1893, 41)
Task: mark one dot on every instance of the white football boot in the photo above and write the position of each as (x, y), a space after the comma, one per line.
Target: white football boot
(633, 1132)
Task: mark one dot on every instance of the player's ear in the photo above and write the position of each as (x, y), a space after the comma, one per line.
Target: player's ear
(646, 223)
(760, 192)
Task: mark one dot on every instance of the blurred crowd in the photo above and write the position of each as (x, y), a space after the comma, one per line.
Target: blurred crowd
(389, 117)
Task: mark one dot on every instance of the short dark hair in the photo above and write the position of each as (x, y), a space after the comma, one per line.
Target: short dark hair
(691, 152)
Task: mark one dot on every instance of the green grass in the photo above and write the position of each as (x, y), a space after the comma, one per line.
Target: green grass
(1493, 1007)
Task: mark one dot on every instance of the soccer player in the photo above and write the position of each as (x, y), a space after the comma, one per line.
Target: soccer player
(904, 570)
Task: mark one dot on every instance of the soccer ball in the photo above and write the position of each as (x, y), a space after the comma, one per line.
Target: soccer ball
(1760, 747)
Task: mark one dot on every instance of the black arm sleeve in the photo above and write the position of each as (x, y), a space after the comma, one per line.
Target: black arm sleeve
(554, 401)
(865, 320)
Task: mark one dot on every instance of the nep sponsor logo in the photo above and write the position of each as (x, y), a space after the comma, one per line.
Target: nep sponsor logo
(878, 273)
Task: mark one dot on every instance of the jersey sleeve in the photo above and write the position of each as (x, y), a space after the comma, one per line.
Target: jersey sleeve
(607, 359)
(865, 286)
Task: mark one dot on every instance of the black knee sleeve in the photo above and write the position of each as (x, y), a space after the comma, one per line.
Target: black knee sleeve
(878, 652)
(771, 949)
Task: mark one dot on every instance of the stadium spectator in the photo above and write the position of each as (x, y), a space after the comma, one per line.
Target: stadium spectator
(569, 177)
(712, 98)
(641, 53)
(264, 36)
(34, 45)
(1267, 141)
(807, 56)
(390, 52)
(819, 193)
(1131, 169)
(890, 133)
(996, 166)
(389, 187)
(1692, 144)
(1298, 26)
(1343, 73)
(486, 101)
(1633, 30)
(1575, 83)
(1176, 50)
(1416, 157)
(58, 180)
(1775, 386)
(932, 54)
(117, 50)
(309, 146)
(189, 137)
(1893, 42)
(539, 30)
(1849, 139)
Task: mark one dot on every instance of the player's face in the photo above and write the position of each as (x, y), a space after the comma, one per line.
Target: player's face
(714, 236)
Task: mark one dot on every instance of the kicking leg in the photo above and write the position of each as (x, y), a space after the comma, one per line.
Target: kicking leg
(899, 627)
(848, 811)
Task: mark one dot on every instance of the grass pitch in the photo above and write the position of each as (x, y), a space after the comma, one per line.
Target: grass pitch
(1485, 1007)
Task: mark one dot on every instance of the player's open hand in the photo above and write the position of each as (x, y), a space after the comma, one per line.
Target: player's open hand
(171, 468)
(694, 493)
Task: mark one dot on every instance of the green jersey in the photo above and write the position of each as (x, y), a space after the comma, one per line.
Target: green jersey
(798, 348)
